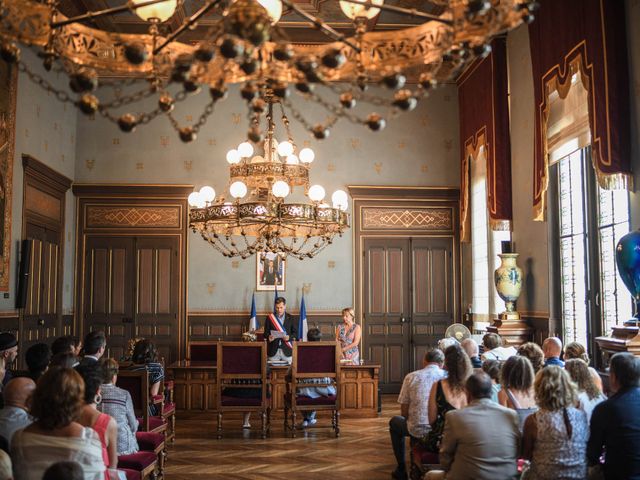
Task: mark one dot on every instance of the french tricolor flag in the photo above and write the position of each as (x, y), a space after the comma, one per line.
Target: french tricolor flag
(253, 321)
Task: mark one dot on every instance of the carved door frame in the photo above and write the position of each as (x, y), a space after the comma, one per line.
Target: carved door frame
(133, 211)
(403, 212)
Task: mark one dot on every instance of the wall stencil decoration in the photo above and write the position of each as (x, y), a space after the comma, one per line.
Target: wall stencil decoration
(211, 287)
(90, 163)
(212, 142)
(270, 271)
(355, 143)
(331, 167)
(424, 168)
(378, 167)
(331, 264)
(235, 118)
(8, 95)
(140, 166)
(306, 288)
(115, 141)
(188, 165)
(164, 140)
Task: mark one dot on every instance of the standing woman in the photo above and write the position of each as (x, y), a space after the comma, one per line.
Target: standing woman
(348, 334)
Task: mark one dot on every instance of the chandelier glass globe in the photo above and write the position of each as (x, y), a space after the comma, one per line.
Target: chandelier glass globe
(316, 193)
(340, 200)
(245, 149)
(280, 189)
(238, 189)
(353, 10)
(285, 149)
(233, 156)
(207, 193)
(162, 11)
(306, 155)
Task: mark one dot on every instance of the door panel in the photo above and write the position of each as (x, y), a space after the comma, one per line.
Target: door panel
(408, 302)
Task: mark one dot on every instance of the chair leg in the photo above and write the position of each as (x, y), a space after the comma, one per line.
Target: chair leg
(293, 423)
(268, 420)
(286, 418)
(336, 422)
(219, 425)
(173, 429)
(264, 424)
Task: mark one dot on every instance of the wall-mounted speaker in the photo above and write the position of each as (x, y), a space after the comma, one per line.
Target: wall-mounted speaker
(24, 270)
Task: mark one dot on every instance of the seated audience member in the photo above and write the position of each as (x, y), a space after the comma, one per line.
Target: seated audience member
(15, 414)
(493, 369)
(413, 421)
(445, 343)
(116, 402)
(55, 435)
(471, 347)
(552, 348)
(589, 395)
(615, 423)
(8, 353)
(37, 359)
(534, 353)
(6, 472)
(517, 387)
(447, 394)
(145, 357)
(66, 344)
(64, 471)
(555, 437)
(64, 360)
(480, 441)
(493, 349)
(105, 426)
(95, 344)
(322, 386)
(577, 350)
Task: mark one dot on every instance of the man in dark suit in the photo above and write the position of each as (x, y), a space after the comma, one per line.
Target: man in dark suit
(279, 348)
(95, 344)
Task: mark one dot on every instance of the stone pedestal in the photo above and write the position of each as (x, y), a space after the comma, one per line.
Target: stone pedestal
(514, 332)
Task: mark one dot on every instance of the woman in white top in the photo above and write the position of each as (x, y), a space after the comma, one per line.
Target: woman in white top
(55, 436)
(589, 395)
(577, 350)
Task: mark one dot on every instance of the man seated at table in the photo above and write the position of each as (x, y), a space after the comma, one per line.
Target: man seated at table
(280, 329)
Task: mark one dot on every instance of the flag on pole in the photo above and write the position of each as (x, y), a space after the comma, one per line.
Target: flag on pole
(303, 327)
(253, 320)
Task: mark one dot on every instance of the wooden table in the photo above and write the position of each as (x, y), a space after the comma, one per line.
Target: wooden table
(196, 383)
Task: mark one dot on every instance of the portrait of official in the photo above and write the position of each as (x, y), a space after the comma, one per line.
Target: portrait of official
(270, 271)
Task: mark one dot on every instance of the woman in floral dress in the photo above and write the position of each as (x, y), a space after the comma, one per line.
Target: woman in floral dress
(348, 334)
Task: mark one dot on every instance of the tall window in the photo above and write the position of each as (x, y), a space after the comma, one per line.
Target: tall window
(589, 227)
(485, 245)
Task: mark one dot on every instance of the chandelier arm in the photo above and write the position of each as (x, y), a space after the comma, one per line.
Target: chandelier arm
(103, 13)
(412, 12)
(322, 26)
(185, 25)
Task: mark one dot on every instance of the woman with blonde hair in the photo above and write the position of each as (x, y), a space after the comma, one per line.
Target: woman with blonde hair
(577, 350)
(348, 334)
(589, 395)
(555, 437)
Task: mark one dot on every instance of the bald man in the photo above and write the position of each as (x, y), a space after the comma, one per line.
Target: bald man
(15, 414)
(552, 348)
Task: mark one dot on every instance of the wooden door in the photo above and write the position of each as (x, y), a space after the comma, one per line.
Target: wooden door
(132, 291)
(387, 303)
(41, 320)
(157, 293)
(408, 302)
(109, 289)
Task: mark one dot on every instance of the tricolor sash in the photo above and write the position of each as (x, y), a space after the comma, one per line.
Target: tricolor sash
(275, 323)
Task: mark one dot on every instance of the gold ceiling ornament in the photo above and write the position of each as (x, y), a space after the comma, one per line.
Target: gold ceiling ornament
(258, 219)
(246, 45)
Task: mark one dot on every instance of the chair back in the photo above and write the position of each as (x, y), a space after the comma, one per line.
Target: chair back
(137, 384)
(242, 365)
(203, 351)
(316, 359)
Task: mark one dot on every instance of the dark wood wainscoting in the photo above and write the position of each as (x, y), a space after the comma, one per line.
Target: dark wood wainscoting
(229, 326)
(407, 273)
(131, 264)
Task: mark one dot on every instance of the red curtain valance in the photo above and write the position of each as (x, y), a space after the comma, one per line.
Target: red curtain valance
(585, 37)
(484, 122)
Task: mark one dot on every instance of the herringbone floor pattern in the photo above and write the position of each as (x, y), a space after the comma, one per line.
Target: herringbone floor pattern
(362, 452)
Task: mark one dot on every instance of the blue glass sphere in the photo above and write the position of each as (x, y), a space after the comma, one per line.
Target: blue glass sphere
(628, 262)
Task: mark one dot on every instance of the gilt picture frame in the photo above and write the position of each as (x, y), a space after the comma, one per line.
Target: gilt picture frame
(271, 271)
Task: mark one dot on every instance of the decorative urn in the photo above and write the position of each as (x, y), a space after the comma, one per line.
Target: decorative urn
(628, 262)
(508, 280)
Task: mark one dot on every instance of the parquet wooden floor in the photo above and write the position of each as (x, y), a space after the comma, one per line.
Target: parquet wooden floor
(363, 450)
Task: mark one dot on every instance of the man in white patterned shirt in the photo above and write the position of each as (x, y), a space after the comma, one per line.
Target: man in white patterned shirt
(414, 407)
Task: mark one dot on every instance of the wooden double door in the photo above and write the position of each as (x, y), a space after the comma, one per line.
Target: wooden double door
(408, 301)
(131, 290)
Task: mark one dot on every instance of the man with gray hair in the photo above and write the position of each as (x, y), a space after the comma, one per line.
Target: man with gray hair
(414, 420)
(471, 347)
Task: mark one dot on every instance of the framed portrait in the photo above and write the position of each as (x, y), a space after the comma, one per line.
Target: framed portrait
(270, 271)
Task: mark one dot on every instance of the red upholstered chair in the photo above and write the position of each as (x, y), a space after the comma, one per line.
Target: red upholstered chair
(313, 360)
(137, 384)
(142, 462)
(242, 369)
(168, 412)
(422, 460)
(131, 474)
(153, 442)
(203, 352)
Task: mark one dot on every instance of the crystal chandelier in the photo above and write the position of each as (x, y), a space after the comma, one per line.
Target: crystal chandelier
(109, 72)
(259, 219)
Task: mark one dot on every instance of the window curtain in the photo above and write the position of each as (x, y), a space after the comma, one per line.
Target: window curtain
(484, 122)
(588, 38)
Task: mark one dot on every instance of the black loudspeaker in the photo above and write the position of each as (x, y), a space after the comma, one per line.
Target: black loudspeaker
(24, 270)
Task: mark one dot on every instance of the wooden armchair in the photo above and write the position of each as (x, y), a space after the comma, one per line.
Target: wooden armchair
(242, 381)
(136, 382)
(313, 360)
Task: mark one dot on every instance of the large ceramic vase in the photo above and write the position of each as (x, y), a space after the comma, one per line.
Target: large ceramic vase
(508, 279)
(628, 262)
